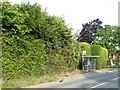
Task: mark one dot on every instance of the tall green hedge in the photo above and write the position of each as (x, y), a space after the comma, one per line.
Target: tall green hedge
(36, 59)
(35, 43)
(78, 54)
(105, 57)
(102, 53)
(85, 46)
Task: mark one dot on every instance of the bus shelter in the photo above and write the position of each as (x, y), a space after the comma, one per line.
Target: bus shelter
(89, 63)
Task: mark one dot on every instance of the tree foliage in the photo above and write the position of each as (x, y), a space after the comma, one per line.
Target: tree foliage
(88, 31)
(108, 37)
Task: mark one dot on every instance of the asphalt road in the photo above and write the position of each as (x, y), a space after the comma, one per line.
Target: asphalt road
(101, 79)
(108, 79)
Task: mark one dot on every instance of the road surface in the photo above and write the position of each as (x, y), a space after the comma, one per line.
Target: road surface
(101, 79)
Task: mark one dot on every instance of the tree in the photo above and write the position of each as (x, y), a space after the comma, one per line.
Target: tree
(88, 31)
(108, 38)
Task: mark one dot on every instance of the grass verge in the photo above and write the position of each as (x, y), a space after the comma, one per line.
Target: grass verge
(115, 66)
(32, 80)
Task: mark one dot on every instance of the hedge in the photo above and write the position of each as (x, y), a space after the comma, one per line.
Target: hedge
(105, 57)
(35, 43)
(86, 47)
(83, 46)
(38, 60)
(103, 53)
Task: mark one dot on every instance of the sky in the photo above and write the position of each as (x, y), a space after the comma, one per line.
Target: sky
(78, 12)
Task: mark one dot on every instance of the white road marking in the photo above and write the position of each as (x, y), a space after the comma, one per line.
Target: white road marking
(110, 71)
(116, 78)
(99, 85)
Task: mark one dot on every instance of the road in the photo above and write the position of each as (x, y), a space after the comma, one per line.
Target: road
(106, 79)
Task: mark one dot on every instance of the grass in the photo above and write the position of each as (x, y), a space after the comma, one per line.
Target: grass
(32, 80)
(115, 66)
(0, 83)
(22, 82)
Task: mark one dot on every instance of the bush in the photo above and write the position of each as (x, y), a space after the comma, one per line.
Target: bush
(105, 57)
(97, 50)
(86, 47)
(76, 49)
(35, 43)
(83, 46)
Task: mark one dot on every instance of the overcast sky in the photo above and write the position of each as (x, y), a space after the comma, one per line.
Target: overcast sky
(78, 12)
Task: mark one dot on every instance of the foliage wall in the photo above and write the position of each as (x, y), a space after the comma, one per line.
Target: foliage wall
(97, 50)
(35, 43)
(85, 46)
(105, 60)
